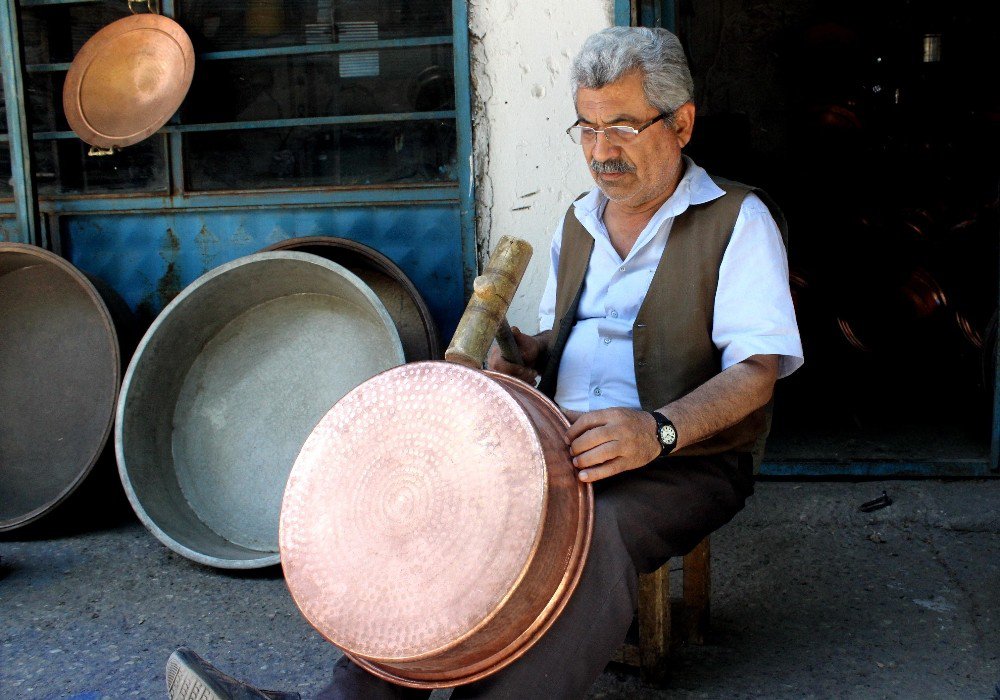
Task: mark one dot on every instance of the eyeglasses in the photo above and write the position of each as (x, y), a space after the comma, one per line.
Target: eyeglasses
(616, 135)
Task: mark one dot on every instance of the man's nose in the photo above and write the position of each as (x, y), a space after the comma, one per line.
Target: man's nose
(603, 149)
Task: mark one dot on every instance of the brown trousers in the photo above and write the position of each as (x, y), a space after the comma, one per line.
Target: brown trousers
(642, 519)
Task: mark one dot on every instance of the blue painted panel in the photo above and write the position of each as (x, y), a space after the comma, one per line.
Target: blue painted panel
(149, 258)
(623, 13)
(10, 230)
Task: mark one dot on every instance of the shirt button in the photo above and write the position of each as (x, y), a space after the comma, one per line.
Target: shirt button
(597, 391)
(622, 268)
(607, 340)
(614, 314)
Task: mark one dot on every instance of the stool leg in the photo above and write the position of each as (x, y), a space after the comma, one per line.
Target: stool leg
(697, 591)
(654, 623)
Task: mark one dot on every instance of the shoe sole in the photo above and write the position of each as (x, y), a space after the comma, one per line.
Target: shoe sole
(185, 684)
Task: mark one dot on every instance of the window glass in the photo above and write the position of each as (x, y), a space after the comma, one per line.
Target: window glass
(282, 87)
(222, 25)
(62, 166)
(293, 86)
(5, 187)
(3, 112)
(356, 155)
(55, 33)
(44, 93)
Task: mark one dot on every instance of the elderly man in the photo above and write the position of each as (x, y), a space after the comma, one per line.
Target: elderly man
(666, 321)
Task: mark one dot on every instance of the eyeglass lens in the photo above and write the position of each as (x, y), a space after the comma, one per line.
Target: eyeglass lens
(616, 135)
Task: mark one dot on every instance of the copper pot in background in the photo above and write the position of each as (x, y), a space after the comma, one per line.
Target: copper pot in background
(128, 80)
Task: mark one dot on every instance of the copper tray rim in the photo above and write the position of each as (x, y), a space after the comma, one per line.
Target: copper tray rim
(77, 275)
(546, 618)
(526, 566)
(72, 104)
(516, 649)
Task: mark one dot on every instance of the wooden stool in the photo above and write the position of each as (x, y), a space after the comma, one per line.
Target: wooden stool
(657, 623)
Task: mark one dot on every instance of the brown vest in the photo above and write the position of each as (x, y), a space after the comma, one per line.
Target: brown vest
(672, 336)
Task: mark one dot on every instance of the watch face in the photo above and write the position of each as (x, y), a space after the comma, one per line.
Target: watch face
(668, 436)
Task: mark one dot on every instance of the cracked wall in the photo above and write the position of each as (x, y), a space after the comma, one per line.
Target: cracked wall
(527, 171)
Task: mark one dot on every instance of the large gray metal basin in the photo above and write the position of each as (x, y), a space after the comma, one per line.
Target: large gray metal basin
(59, 371)
(226, 386)
(413, 320)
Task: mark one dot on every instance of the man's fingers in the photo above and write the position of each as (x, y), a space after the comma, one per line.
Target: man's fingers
(525, 374)
(527, 344)
(495, 362)
(571, 415)
(602, 453)
(582, 424)
(591, 474)
(598, 435)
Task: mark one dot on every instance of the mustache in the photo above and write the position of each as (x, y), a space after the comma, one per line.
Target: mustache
(611, 166)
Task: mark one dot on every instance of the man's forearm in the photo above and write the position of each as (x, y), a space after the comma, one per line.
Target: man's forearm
(724, 400)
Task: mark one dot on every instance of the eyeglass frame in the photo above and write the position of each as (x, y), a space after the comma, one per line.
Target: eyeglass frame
(635, 130)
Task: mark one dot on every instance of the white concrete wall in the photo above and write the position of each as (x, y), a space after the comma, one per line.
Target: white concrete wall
(527, 171)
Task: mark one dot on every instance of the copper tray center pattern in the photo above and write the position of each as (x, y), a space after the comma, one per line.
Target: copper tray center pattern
(440, 505)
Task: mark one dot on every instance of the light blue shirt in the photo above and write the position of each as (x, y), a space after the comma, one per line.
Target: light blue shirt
(753, 306)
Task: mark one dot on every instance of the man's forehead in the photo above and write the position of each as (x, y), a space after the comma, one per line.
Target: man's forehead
(608, 111)
(622, 100)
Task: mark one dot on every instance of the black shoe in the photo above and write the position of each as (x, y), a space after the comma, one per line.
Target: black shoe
(190, 677)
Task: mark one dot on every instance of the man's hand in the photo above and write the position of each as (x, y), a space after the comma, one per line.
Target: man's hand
(610, 441)
(530, 347)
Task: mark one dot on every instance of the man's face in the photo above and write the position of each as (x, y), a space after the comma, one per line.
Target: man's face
(652, 162)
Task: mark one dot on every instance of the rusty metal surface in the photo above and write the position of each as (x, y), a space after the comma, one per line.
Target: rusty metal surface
(409, 312)
(226, 386)
(128, 80)
(432, 526)
(59, 376)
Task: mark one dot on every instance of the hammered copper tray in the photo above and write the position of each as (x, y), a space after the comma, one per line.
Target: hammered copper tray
(433, 526)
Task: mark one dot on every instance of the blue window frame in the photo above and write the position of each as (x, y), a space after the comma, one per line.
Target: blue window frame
(421, 216)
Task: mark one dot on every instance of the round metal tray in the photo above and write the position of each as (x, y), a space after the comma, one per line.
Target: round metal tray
(128, 80)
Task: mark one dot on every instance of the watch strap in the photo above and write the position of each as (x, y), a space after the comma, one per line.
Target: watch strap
(661, 421)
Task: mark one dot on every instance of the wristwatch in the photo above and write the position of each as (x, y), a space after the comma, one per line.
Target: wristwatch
(666, 433)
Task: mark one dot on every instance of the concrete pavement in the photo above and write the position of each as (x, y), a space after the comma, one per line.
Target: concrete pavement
(811, 599)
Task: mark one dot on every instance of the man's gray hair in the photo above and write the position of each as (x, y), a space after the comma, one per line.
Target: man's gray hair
(611, 53)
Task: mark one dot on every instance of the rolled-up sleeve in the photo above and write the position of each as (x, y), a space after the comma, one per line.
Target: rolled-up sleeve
(753, 305)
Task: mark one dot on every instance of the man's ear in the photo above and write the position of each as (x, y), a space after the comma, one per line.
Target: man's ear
(683, 123)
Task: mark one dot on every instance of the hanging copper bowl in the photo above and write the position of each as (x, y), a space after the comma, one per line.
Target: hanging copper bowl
(433, 526)
(128, 80)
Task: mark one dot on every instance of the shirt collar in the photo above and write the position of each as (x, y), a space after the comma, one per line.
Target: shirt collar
(695, 187)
